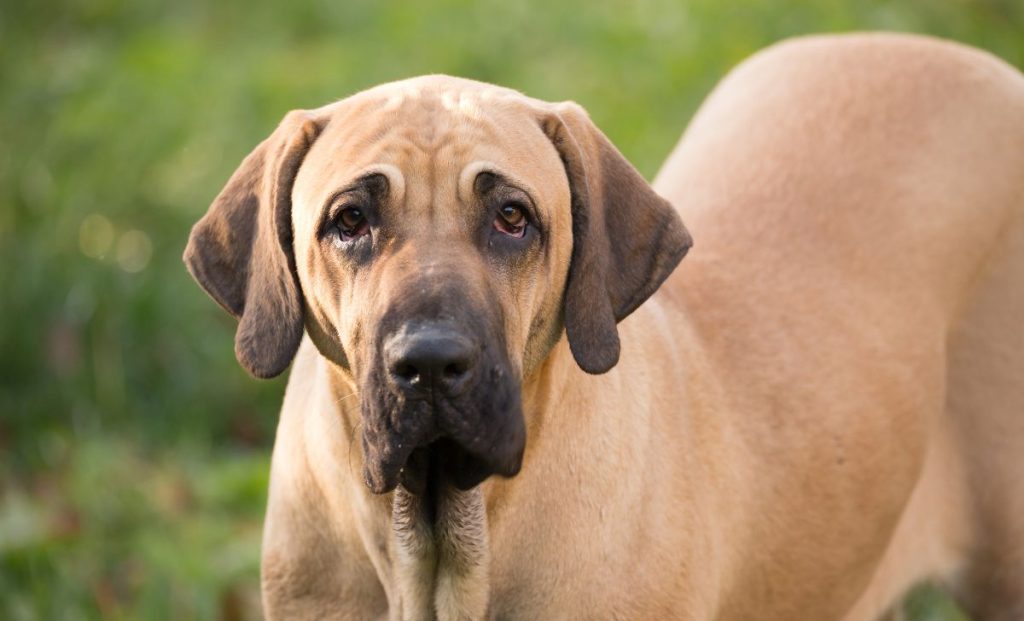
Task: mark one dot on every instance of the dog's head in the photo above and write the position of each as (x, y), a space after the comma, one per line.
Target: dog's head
(433, 237)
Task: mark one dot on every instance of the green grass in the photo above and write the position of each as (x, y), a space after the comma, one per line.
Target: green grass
(114, 532)
(134, 449)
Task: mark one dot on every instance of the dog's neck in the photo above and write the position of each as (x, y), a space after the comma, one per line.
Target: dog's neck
(437, 561)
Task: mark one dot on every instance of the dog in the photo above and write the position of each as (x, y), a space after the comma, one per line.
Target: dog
(491, 414)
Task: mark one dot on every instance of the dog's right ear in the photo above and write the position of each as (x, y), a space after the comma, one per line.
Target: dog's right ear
(240, 252)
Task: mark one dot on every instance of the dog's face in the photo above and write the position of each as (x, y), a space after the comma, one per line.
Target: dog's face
(426, 229)
(433, 237)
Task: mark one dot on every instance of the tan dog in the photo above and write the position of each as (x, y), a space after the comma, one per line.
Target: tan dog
(824, 406)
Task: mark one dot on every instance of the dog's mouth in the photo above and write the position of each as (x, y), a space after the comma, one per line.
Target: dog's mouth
(457, 442)
(439, 462)
(443, 459)
(437, 467)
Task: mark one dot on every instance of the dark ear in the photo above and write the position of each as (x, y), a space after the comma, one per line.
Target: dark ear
(626, 238)
(240, 252)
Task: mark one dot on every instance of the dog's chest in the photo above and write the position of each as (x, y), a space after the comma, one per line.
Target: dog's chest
(440, 555)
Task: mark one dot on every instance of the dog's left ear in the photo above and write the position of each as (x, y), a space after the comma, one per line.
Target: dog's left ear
(240, 252)
(626, 238)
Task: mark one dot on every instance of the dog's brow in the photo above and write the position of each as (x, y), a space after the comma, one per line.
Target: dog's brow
(362, 184)
(472, 171)
(503, 179)
(513, 181)
(371, 182)
(365, 181)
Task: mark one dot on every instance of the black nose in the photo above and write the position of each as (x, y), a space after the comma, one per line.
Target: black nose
(431, 357)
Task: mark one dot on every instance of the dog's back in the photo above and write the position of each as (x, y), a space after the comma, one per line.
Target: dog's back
(857, 205)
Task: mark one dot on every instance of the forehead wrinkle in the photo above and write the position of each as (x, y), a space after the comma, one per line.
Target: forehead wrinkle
(432, 136)
(428, 119)
(450, 211)
(429, 134)
(452, 105)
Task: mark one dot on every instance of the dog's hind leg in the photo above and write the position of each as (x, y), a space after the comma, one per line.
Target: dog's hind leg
(985, 399)
(931, 534)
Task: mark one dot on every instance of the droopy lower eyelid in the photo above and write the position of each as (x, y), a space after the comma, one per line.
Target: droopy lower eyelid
(340, 201)
(495, 186)
(520, 200)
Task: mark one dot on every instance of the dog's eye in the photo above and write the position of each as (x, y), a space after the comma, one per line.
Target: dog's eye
(511, 220)
(351, 223)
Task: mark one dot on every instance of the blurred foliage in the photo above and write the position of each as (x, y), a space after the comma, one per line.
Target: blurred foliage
(134, 449)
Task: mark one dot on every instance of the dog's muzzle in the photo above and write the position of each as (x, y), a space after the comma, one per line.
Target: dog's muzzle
(442, 402)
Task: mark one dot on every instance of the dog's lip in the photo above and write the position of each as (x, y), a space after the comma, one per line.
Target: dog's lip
(447, 459)
(411, 466)
(382, 474)
(476, 443)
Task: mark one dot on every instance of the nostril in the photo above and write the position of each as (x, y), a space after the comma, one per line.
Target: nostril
(430, 358)
(455, 370)
(407, 373)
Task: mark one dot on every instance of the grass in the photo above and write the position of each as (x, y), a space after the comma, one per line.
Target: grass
(134, 449)
(113, 532)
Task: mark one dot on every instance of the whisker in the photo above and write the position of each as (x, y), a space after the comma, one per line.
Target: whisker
(355, 434)
(340, 400)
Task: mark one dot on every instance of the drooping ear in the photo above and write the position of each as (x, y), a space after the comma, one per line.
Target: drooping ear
(626, 238)
(240, 252)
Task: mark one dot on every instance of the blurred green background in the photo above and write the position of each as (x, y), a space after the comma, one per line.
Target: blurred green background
(133, 449)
